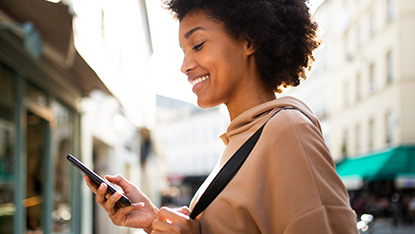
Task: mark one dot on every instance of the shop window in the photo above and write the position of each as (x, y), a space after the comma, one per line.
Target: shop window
(62, 142)
(36, 135)
(7, 207)
(35, 95)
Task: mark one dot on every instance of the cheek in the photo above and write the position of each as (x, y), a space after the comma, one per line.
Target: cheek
(223, 62)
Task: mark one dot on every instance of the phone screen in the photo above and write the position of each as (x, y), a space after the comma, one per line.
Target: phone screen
(124, 201)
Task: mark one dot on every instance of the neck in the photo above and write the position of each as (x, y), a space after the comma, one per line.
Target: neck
(251, 91)
(250, 99)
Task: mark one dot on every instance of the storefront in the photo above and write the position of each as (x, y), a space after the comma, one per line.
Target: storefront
(36, 130)
(40, 123)
(395, 164)
(382, 183)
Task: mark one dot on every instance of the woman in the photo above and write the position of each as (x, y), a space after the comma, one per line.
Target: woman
(240, 52)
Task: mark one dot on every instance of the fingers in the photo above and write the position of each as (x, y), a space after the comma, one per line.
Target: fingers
(119, 217)
(184, 210)
(171, 215)
(169, 219)
(106, 200)
(160, 226)
(101, 194)
(92, 185)
(117, 179)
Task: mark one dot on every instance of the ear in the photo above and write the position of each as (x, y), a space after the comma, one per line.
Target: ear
(249, 47)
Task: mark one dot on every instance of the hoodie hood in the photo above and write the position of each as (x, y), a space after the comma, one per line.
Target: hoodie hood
(258, 115)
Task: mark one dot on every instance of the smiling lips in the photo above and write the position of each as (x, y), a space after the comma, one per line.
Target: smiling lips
(198, 80)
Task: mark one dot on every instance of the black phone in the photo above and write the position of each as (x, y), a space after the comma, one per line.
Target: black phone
(124, 201)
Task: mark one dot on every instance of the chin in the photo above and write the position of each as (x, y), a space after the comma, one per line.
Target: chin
(206, 104)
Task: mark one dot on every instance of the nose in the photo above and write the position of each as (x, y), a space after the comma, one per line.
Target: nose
(188, 64)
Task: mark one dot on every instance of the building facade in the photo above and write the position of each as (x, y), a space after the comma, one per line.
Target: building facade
(371, 48)
(56, 98)
(361, 88)
(364, 76)
(187, 140)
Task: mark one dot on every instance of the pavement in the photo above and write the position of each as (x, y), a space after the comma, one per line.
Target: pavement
(386, 226)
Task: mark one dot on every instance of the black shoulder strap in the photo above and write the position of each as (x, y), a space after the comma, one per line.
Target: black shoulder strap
(228, 171)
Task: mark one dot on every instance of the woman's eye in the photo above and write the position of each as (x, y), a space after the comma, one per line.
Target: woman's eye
(198, 46)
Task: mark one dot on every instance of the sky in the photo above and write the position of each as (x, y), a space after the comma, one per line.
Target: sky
(164, 65)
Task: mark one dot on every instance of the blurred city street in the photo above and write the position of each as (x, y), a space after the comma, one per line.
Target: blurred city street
(386, 226)
(101, 80)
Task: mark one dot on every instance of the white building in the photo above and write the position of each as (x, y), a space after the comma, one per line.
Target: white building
(187, 138)
(114, 38)
(374, 79)
(366, 83)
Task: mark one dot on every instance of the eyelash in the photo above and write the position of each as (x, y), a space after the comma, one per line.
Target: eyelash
(198, 47)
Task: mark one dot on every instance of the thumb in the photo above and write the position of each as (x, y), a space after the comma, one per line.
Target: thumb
(125, 185)
(116, 179)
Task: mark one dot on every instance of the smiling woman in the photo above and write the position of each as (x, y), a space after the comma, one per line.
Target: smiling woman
(220, 68)
(167, 53)
(239, 53)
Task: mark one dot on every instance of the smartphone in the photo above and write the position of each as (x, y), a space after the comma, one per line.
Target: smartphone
(123, 202)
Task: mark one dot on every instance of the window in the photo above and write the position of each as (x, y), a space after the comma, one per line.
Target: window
(389, 67)
(346, 94)
(344, 145)
(389, 127)
(390, 10)
(358, 139)
(103, 31)
(372, 24)
(36, 168)
(358, 88)
(7, 132)
(63, 144)
(371, 134)
(35, 95)
(359, 39)
(372, 79)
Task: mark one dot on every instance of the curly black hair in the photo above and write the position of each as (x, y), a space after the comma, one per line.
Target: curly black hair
(282, 31)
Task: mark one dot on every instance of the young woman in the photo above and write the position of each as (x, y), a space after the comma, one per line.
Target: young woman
(240, 52)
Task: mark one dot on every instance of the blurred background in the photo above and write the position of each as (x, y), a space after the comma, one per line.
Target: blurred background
(101, 80)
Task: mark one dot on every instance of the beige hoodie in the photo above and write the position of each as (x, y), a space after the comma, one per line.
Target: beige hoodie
(287, 185)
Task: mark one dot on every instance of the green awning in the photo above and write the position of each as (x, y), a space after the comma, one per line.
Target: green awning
(385, 165)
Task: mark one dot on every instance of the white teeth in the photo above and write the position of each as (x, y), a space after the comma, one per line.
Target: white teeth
(198, 80)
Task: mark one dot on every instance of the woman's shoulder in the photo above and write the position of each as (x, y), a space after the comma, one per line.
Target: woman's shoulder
(288, 117)
(290, 125)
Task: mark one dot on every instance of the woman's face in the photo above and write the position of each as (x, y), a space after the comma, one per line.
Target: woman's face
(217, 66)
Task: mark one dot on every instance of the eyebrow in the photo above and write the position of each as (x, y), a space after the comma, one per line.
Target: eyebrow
(188, 34)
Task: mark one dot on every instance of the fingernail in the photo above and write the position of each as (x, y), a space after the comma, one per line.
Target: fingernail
(141, 204)
(101, 187)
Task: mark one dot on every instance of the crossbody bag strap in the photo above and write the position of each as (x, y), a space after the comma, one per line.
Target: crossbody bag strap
(229, 170)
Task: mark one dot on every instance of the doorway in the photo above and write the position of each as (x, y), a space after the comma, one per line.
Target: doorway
(36, 136)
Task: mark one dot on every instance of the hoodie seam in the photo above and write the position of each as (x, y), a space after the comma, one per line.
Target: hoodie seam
(304, 154)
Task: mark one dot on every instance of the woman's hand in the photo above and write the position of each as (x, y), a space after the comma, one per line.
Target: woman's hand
(175, 221)
(140, 214)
